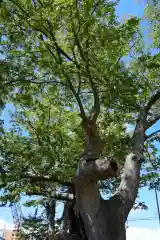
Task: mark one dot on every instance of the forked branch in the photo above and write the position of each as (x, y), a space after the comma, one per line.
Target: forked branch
(155, 97)
(96, 107)
(131, 175)
(142, 118)
(61, 53)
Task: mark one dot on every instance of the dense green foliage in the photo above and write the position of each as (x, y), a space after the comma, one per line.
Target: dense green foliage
(59, 59)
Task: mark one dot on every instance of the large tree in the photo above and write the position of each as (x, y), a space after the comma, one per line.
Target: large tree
(65, 70)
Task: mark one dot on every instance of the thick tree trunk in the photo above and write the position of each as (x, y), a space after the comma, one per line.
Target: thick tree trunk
(102, 219)
(109, 223)
(105, 219)
(50, 207)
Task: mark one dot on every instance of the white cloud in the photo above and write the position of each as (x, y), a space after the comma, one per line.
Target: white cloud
(5, 225)
(135, 233)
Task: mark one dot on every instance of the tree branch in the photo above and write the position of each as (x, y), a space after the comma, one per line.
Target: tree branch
(151, 135)
(36, 82)
(153, 120)
(64, 196)
(152, 101)
(20, 7)
(127, 191)
(99, 169)
(58, 48)
(78, 72)
(96, 107)
(73, 90)
(95, 6)
(40, 3)
(61, 52)
(130, 179)
(56, 195)
(76, 96)
(34, 179)
(33, 128)
(141, 125)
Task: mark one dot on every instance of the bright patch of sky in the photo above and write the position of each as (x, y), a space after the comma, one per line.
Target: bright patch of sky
(137, 233)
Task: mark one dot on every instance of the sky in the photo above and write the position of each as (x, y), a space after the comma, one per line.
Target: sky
(138, 227)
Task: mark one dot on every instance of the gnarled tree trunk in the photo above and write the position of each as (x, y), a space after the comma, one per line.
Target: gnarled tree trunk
(105, 219)
(50, 208)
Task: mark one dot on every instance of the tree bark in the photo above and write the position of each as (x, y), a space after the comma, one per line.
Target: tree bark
(96, 213)
(50, 207)
(105, 219)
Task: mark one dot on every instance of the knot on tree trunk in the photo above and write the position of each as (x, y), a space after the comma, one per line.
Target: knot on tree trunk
(99, 169)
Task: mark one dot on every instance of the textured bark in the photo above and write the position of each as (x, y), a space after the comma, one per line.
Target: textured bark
(66, 236)
(71, 220)
(105, 219)
(50, 207)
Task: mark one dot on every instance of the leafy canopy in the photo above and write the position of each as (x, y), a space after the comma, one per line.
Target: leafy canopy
(62, 58)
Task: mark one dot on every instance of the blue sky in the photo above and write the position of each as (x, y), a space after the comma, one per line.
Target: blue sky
(125, 8)
(131, 7)
(128, 8)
